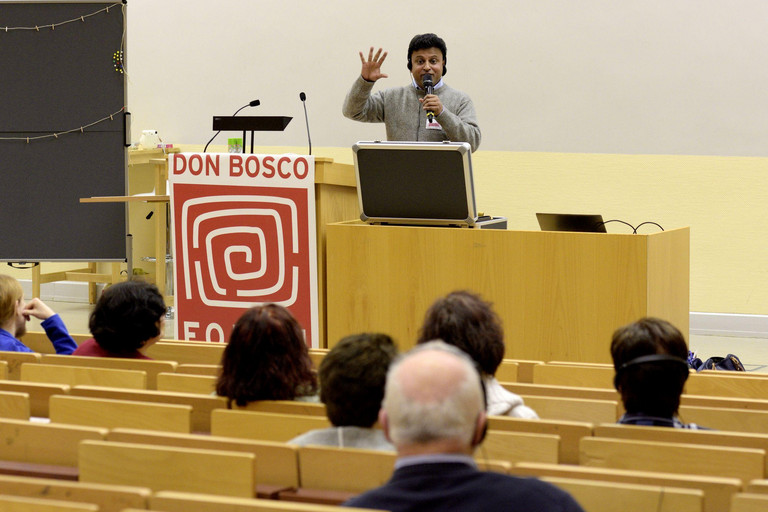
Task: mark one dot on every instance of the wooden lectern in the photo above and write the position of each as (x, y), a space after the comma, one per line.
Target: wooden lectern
(560, 295)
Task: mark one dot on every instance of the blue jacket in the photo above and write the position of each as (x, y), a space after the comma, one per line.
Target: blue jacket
(54, 329)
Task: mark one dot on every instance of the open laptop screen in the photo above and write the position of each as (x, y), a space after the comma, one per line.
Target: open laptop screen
(415, 183)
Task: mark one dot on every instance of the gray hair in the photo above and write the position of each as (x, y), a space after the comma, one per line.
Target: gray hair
(453, 416)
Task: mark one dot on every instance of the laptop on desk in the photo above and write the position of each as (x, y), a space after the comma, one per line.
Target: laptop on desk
(571, 222)
(417, 183)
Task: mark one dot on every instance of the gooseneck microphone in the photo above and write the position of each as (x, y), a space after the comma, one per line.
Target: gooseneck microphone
(429, 88)
(303, 98)
(252, 103)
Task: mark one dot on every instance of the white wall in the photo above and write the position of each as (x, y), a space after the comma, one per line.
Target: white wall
(592, 76)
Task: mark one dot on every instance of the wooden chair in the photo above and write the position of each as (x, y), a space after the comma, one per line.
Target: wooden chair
(744, 502)
(152, 368)
(344, 469)
(98, 412)
(44, 443)
(14, 405)
(507, 371)
(727, 384)
(285, 407)
(570, 432)
(573, 375)
(202, 405)
(186, 383)
(16, 359)
(83, 376)
(757, 487)
(109, 498)
(186, 352)
(686, 436)
(168, 468)
(717, 490)
(573, 409)
(168, 501)
(743, 463)
(737, 420)
(515, 447)
(262, 425)
(277, 464)
(211, 370)
(20, 504)
(524, 369)
(617, 497)
(39, 394)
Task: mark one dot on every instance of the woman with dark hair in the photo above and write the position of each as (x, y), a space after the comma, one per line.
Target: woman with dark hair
(466, 321)
(128, 317)
(266, 359)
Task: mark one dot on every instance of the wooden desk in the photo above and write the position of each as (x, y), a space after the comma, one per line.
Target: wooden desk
(560, 295)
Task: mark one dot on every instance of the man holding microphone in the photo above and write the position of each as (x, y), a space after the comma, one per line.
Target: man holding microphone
(426, 110)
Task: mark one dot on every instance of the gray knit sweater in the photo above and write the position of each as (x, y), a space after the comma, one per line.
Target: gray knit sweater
(399, 109)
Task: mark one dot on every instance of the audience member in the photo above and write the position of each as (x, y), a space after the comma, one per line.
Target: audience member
(649, 357)
(15, 313)
(464, 320)
(266, 359)
(352, 377)
(434, 415)
(128, 317)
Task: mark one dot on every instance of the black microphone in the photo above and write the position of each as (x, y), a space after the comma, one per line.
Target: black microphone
(429, 88)
(252, 103)
(303, 98)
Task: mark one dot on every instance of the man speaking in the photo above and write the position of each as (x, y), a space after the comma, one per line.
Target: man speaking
(426, 110)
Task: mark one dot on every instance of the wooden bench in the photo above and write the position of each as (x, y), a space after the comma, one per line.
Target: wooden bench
(21, 504)
(717, 490)
(44, 443)
(277, 464)
(569, 432)
(168, 468)
(202, 405)
(344, 469)
(757, 486)
(686, 436)
(212, 370)
(186, 352)
(186, 383)
(524, 369)
(585, 376)
(727, 384)
(83, 376)
(188, 502)
(262, 425)
(317, 355)
(39, 394)
(507, 371)
(14, 405)
(151, 368)
(109, 498)
(107, 413)
(573, 409)
(519, 446)
(744, 502)
(596, 496)
(737, 420)
(285, 407)
(743, 463)
(16, 359)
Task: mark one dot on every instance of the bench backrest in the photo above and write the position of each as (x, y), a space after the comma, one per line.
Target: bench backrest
(16, 359)
(152, 368)
(186, 383)
(263, 425)
(168, 501)
(344, 469)
(44, 443)
(83, 376)
(519, 446)
(107, 413)
(569, 432)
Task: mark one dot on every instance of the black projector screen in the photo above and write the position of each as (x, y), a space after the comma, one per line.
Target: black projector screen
(58, 74)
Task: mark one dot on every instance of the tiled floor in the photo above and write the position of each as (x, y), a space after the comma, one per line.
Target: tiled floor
(753, 352)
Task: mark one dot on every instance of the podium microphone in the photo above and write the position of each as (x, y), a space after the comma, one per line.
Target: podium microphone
(429, 88)
(252, 103)
(303, 98)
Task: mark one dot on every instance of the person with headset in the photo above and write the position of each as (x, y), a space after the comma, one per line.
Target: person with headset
(433, 412)
(411, 112)
(650, 359)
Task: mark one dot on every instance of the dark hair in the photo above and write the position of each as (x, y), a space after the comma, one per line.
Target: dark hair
(652, 387)
(466, 321)
(424, 42)
(126, 316)
(266, 358)
(352, 378)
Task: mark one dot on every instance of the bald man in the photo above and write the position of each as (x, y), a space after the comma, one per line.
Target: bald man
(434, 414)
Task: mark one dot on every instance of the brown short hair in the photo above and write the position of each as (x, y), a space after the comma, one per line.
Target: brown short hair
(10, 293)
